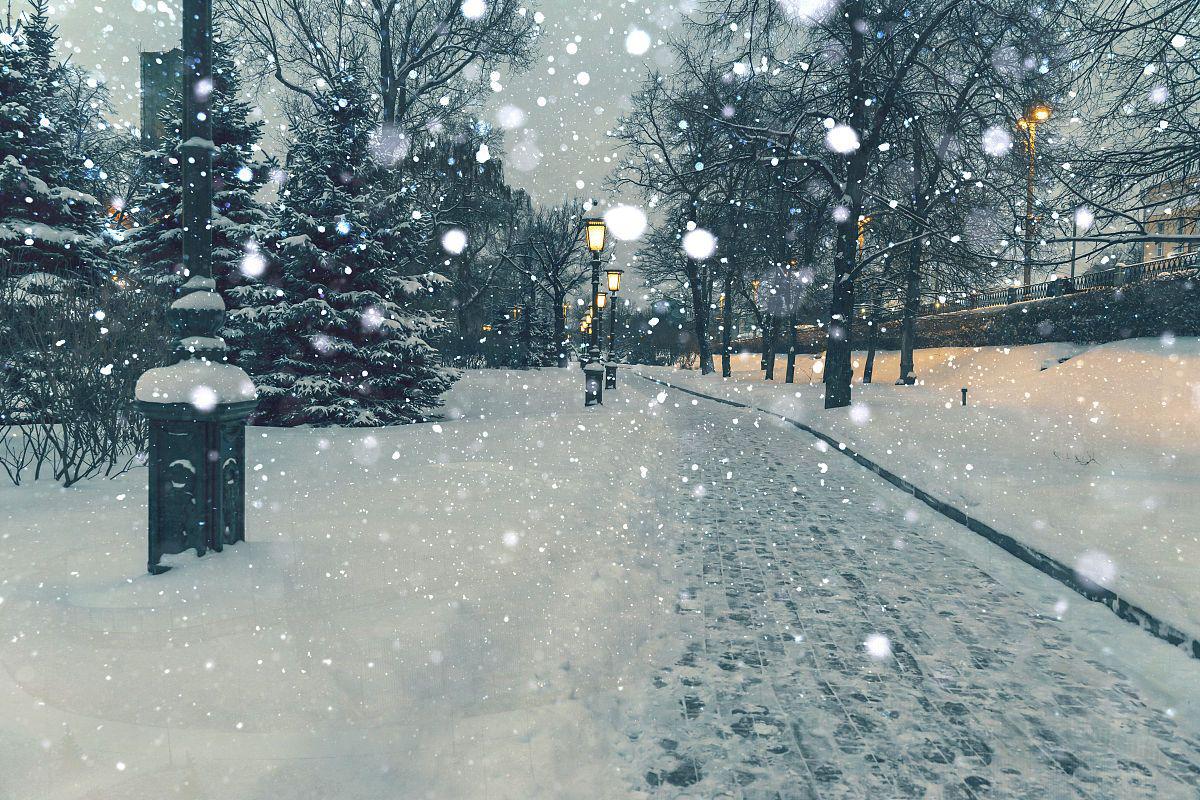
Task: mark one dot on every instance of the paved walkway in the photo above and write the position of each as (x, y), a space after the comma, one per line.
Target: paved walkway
(831, 644)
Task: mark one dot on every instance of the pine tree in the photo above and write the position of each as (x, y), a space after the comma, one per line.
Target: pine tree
(154, 247)
(342, 337)
(46, 223)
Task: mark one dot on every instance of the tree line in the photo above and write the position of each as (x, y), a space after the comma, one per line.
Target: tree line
(849, 155)
(360, 264)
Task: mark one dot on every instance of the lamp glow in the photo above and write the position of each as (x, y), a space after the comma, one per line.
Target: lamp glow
(595, 230)
(614, 280)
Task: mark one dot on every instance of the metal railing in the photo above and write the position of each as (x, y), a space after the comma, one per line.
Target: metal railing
(1111, 278)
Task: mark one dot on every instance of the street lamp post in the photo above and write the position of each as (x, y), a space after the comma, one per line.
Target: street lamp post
(1037, 114)
(610, 369)
(593, 371)
(596, 234)
(601, 304)
(196, 407)
(521, 316)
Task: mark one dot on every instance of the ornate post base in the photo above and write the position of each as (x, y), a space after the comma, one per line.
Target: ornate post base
(593, 384)
(197, 477)
(610, 376)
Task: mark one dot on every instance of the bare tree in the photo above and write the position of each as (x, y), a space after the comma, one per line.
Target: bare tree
(428, 59)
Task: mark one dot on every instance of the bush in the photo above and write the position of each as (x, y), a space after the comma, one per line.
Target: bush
(71, 356)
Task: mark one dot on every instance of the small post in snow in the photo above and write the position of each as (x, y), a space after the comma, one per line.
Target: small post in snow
(964, 391)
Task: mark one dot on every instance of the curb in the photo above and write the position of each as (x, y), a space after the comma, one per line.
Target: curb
(1048, 565)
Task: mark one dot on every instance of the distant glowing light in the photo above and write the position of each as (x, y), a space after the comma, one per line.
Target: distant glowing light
(996, 141)
(253, 264)
(699, 244)
(841, 139)
(637, 42)
(626, 222)
(510, 117)
(454, 241)
(1085, 218)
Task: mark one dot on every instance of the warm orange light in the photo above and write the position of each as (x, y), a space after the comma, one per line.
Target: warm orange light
(1039, 112)
(595, 230)
(614, 280)
(601, 299)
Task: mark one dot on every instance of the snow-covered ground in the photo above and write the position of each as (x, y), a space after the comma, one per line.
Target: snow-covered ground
(1094, 459)
(662, 597)
(439, 610)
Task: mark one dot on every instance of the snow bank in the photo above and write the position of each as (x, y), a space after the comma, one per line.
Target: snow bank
(1091, 455)
(204, 384)
(447, 610)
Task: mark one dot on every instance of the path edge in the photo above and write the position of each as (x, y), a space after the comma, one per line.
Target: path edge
(1035, 558)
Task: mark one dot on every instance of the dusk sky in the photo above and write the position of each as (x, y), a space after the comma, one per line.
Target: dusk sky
(573, 93)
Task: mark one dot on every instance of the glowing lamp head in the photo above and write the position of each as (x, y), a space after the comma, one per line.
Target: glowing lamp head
(614, 280)
(1039, 113)
(601, 299)
(516, 311)
(595, 231)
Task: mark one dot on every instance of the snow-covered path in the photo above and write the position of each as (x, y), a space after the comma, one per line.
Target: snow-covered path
(664, 597)
(835, 638)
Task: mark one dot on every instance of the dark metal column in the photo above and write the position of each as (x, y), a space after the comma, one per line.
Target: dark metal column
(594, 348)
(198, 406)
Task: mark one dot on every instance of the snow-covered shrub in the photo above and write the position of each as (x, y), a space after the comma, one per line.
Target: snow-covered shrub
(71, 354)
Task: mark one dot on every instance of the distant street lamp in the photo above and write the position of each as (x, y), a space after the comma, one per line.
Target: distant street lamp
(196, 407)
(614, 286)
(595, 233)
(863, 222)
(1035, 115)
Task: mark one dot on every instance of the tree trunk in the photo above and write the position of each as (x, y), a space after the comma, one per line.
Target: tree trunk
(560, 331)
(872, 335)
(912, 307)
(912, 282)
(769, 347)
(838, 368)
(700, 320)
(869, 366)
(764, 333)
(791, 359)
(727, 326)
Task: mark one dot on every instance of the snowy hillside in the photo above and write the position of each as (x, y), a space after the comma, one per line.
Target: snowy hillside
(427, 608)
(1091, 455)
